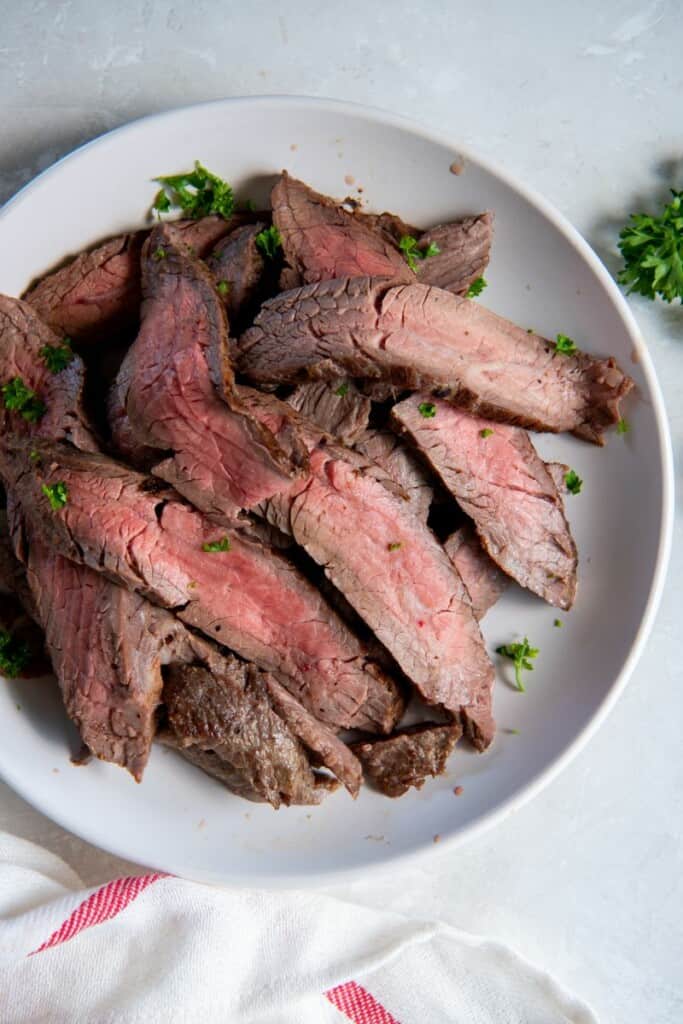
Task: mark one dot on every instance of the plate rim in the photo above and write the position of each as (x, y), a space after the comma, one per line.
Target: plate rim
(525, 794)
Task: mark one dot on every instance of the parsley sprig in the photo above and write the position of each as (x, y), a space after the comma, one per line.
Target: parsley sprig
(573, 482)
(565, 345)
(197, 193)
(21, 399)
(217, 545)
(57, 494)
(522, 654)
(413, 253)
(427, 410)
(476, 288)
(269, 241)
(57, 357)
(14, 655)
(652, 248)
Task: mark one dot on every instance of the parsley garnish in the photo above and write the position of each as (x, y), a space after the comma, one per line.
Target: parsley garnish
(652, 248)
(342, 390)
(14, 655)
(623, 426)
(413, 253)
(558, 623)
(486, 432)
(57, 494)
(159, 254)
(223, 287)
(57, 357)
(34, 456)
(476, 288)
(573, 482)
(427, 409)
(269, 241)
(21, 399)
(249, 205)
(197, 193)
(565, 345)
(217, 545)
(395, 545)
(522, 654)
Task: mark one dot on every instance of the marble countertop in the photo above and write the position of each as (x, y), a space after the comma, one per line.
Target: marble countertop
(582, 102)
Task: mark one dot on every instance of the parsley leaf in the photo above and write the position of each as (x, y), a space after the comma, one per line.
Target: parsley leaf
(14, 655)
(623, 426)
(565, 345)
(486, 432)
(217, 545)
(57, 357)
(269, 241)
(342, 390)
(197, 193)
(652, 248)
(395, 545)
(558, 623)
(223, 287)
(21, 399)
(413, 253)
(573, 482)
(57, 494)
(427, 409)
(522, 654)
(159, 254)
(476, 288)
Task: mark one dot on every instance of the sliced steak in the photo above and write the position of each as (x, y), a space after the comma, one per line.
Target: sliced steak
(482, 577)
(337, 407)
(237, 265)
(419, 337)
(409, 757)
(226, 713)
(396, 459)
(164, 397)
(247, 597)
(464, 249)
(321, 240)
(500, 481)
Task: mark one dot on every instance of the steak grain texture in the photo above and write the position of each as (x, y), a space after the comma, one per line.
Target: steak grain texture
(237, 266)
(464, 249)
(336, 406)
(402, 465)
(484, 580)
(407, 758)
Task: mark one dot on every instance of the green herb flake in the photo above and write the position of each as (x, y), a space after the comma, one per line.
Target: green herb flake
(427, 410)
(623, 426)
(342, 390)
(249, 205)
(223, 287)
(486, 432)
(558, 623)
(159, 254)
(14, 655)
(34, 455)
(476, 288)
(565, 345)
(217, 545)
(196, 193)
(18, 398)
(412, 252)
(652, 248)
(573, 482)
(269, 241)
(57, 494)
(522, 654)
(530, 330)
(57, 357)
(395, 545)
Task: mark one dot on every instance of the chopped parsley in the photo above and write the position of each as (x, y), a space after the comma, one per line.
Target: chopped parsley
(34, 455)
(522, 654)
(57, 357)
(652, 248)
(565, 345)
(558, 623)
(395, 545)
(196, 193)
(427, 409)
(57, 494)
(413, 253)
(342, 390)
(476, 288)
(21, 399)
(223, 287)
(14, 655)
(269, 241)
(573, 482)
(159, 254)
(486, 432)
(623, 426)
(217, 545)
(249, 205)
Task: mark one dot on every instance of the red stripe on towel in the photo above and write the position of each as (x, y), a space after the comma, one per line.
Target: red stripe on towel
(358, 1004)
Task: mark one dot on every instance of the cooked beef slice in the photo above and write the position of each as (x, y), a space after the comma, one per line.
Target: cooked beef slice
(480, 574)
(396, 459)
(419, 337)
(237, 266)
(316, 737)
(500, 481)
(464, 247)
(336, 406)
(164, 397)
(385, 703)
(23, 336)
(406, 759)
(249, 597)
(226, 712)
(321, 240)
(392, 571)
(558, 471)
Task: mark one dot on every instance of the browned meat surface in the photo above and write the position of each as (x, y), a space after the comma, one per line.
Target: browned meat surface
(499, 480)
(165, 399)
(408, 758)
(336, 406)
(401, 464)
(480, 574)
(464, 248)
(237, 266)
(424, 338)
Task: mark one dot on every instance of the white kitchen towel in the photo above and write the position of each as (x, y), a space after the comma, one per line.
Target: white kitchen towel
(158, 948)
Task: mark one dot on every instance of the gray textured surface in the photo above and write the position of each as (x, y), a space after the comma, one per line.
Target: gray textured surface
(583, 105)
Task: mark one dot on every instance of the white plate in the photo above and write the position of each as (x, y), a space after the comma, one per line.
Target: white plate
(542, 274)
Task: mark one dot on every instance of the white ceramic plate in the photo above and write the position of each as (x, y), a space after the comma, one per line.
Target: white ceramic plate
(542, 274)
